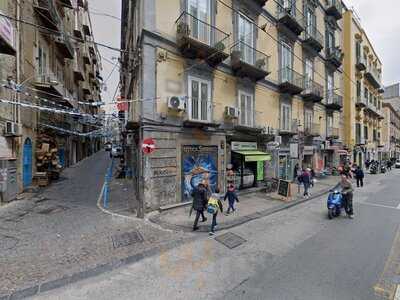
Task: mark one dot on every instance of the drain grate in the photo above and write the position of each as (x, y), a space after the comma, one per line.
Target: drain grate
(126, 239)
(230, 240)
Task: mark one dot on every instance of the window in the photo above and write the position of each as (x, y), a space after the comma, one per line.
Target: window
(286, 62)
(42, 61)
(286, 116)
(308, 72)
(308, 120)
(366, 132)
(199, 100)
(358, 49)
(3, 5)
(330, 39)
(358, 89)
(199, 19)
(245, 34)
(330, 87)
(246, 106)
(311, 21)
(366, 95)
(358, 133)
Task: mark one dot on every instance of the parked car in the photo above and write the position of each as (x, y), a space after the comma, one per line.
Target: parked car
(397, 164)
(116, 151)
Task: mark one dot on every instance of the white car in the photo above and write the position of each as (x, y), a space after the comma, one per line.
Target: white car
(397, 164)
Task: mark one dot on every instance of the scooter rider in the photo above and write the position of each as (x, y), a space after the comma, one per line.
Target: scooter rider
(347, 192)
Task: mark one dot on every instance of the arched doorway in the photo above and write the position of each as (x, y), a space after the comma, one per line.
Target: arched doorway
(27, 163)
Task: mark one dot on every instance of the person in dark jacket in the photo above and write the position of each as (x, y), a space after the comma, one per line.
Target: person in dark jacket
(359, 176)
(232, 198)
(306, 179)
(199, 195)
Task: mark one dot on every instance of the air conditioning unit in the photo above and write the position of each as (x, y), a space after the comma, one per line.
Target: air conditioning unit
(11, 129)
(177, 103)
(278, 139)
(232, 112)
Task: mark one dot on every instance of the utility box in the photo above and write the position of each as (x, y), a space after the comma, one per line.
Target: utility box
(8, 180)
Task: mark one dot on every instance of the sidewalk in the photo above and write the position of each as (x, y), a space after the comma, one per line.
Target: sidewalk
(251, 206)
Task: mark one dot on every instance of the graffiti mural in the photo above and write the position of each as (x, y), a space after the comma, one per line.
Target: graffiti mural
(198, 163)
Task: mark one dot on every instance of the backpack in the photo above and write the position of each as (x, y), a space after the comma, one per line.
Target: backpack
(212, 206)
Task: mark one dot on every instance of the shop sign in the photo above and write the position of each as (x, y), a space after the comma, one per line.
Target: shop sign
(294, 150)
(238, 146)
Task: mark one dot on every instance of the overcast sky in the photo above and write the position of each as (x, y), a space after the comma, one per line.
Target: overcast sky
(381, 21)
(107, 30)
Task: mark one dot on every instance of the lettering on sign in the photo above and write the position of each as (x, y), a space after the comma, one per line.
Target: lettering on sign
(164, 172)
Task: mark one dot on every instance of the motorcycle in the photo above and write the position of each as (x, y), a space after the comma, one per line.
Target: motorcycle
(335, 204)
(383, 169)
(374, 169)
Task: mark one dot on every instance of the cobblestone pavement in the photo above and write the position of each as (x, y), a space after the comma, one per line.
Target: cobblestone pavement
(60, 231)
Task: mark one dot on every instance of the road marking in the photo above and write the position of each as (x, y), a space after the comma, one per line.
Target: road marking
(386, 287)
(380, 205)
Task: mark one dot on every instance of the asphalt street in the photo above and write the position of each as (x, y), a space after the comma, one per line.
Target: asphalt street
(294, 254)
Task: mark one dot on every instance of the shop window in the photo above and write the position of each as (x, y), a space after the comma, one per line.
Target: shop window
(199, 108)
(246, 106)
(286, 117)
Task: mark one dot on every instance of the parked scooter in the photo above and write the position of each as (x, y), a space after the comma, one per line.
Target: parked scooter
(373, 169)
(383, 168)
(335, 204)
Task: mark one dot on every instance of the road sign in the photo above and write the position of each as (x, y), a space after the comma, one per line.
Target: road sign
(148, 146)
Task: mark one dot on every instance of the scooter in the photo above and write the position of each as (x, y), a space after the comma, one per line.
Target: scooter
(335, 204)
(374, 169)
(383, 169)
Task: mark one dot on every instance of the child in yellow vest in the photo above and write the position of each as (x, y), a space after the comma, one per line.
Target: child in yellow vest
(214, 203)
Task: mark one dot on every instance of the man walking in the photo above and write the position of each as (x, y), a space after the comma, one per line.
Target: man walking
(306, 179)
(199, 195)
(359, 176)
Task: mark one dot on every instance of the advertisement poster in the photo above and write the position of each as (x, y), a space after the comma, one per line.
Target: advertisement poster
(199, 163)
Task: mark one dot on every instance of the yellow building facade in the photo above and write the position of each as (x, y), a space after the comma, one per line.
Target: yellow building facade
(363, 93)
(244, 77)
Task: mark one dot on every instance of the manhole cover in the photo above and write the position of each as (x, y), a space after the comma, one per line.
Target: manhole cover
(230, 240)
(126, 239)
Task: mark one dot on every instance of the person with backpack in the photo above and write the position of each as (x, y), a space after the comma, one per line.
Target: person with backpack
(199, 195)
(214, 204)
(232, 198)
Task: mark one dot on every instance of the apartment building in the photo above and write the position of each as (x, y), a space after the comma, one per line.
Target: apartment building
(391, 129)
(250, 85)
(363, 93)
(48, 69)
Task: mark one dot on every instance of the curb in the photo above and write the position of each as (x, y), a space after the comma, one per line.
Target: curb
(241, 220)
(92, 272)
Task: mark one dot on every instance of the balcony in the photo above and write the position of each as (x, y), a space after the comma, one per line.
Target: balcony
(289, 128)
(361, 102)
(334, 56)
(290, 18)
(198, 39)
(49, 83)
(313, 91)
(332, 133)
(86, 88)
(313, 39)
(79, 74)
(64, 45)
(7, 43)
(361, 64)
(47, 13)
(312, 130)
(373, 76)
(290, 82)
(334, 8)
(249, 62)
(333, 101)
(86, 55)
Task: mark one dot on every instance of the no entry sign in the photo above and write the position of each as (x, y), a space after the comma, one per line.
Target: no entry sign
(148, 146)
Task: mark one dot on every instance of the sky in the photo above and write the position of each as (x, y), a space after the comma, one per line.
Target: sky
(381, 21)
(107, 30)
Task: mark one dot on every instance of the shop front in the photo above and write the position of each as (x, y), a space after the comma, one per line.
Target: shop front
(248, 164)
(308, 157)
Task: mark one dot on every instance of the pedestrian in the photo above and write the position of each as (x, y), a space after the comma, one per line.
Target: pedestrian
(214, 204)
(199, 204)
(296, 172)
(347, 192)
(232, 198)
(359, 176)
(306, 180)
(389, 164)
(312, 174)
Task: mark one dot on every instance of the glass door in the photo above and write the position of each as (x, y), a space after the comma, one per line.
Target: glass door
(199, 11)
(286, 62)
(246, 39)
(308, 73)
(330, 88)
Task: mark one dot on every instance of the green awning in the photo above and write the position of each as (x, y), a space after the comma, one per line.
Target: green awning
(254, 155)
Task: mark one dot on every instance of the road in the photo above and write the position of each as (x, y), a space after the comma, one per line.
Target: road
(294, 254)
